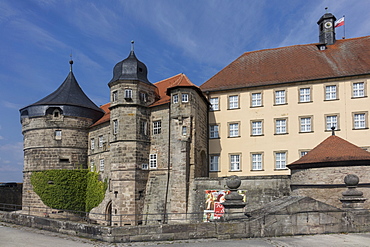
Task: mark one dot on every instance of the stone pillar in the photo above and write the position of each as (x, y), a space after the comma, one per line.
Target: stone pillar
(352, 198)
(234, 205)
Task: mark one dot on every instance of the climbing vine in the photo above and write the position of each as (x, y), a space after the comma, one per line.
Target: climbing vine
(78, 190)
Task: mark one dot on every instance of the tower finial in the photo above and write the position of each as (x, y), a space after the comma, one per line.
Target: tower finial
(326, 9)
(132, 45)
(70, 62)
(333, 130)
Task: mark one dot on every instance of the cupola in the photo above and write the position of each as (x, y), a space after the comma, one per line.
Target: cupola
(130, 69)
(326, 29)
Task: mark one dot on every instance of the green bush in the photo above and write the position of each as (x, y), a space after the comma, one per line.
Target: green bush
(78, 190)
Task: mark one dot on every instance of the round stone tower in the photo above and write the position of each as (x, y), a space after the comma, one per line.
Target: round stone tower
(55, 131)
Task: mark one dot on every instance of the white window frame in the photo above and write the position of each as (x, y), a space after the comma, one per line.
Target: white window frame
(128, 93)
(101, 141)
(214, 104)
(257, 161)
(92, 166)
(58, 135)
(213, 131)
(101, 165)
(331, 92)
(330, 123)
(233, 102)
(175, 98)
(257, 127)
(114, 96)
(233, 129)
(280, 160)
(143, 127)
(184, 130)
(280, 97)
(305, 124)
(281, 126)
(92, 143)
(214, 160)
(115, 126)
(184, 98)
(256, 99)
(144, 166)
(359, 120)
(235, 161)
(157, 127)
(305, 94)
(153, 161)
(358, 89)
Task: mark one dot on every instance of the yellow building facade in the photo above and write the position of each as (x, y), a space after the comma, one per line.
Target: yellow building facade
(270, 107)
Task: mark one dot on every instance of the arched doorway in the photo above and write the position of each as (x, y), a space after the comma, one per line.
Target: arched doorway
(108, 213)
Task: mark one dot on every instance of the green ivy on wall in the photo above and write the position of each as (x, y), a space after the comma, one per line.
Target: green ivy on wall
(78, 190)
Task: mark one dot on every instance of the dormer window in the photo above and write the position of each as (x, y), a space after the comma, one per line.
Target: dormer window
(128, 94)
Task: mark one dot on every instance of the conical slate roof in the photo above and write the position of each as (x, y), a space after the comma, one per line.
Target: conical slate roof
(70, 98)
(333, 151)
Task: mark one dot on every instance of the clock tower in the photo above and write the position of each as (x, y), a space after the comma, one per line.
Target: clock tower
(326, 29)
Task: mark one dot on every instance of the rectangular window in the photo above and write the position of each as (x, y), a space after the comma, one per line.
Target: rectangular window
(143, 97)
(331, 121)
(331, 92)
(92, 166)
(115, 127)
(153, 161)
(175, 98)
(114, 96)
(184, 130)
(304, 94)
(234, 130)
(213, 131)
(234, 102)
(92, 144)
(302, 153)
(157, 127)
(235, 162)
(143, 127)
(257, 128)
(214, 104)
(101, 140)
(101, 166)
(213, 163)
(358, 89)
(58, 135)
(256, 99)
(280, 97)
(280, 126)
(280, 160)
(128, 93)
(185, 97)
(305, 123)
(144, 166)
(256, 162)
(359, 121)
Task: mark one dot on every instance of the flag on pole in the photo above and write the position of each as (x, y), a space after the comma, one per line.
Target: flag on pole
(339, 22)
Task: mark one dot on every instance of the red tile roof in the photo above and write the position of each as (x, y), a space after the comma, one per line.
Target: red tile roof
(333, 151)
(105, 117)
(345, 57)
(180, 80)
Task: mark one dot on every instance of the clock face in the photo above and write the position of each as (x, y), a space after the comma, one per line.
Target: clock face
(328, 24)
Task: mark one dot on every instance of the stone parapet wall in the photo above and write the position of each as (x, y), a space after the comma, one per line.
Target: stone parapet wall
(271, 225)
(326, 184)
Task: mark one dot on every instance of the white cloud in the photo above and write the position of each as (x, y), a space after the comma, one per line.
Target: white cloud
(10, 105)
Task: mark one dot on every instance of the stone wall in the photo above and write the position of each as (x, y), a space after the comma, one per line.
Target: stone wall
(297, 216)
(326, 184)
(11, 195)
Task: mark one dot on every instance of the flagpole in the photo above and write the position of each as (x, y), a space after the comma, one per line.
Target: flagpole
(344, 29)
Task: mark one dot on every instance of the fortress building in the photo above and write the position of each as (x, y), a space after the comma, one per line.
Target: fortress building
(149, 142)
(160, 146)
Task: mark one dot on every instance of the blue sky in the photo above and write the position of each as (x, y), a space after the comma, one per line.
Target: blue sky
(194, 37)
